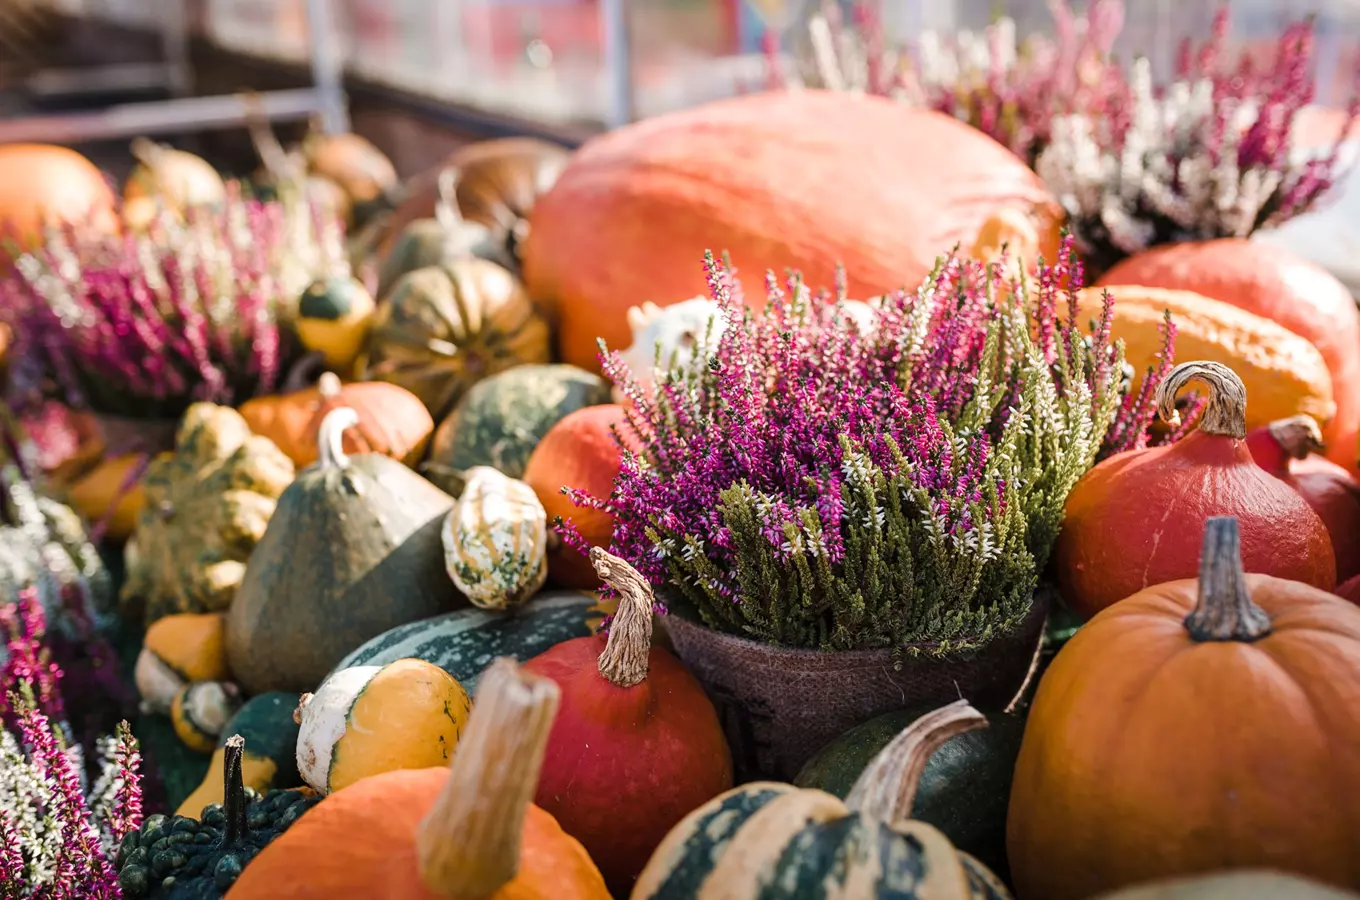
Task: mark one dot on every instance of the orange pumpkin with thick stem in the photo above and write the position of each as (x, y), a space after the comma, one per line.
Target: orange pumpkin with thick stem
(1288, 449)
(1199, 725)
(579, 452)
(467, 831)
(1276, 284)
(44, 183)
(1130, 521)
(392, 420)
(786, 179)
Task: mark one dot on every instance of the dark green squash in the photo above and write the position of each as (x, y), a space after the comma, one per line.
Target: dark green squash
(269, 760)
(177, 858)
(501, 419)
(780, 842)
(465, 642)
(352, 550)
(964, 790)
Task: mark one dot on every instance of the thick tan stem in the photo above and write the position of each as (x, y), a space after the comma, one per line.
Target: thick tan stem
(330, 437)
(626, 653)
(1224, 610)
(1225, 413)
(886, 789)
(468, 845)
(1297, 436)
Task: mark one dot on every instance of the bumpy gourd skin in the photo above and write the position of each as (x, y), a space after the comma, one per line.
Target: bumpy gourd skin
(207, 504)
(178, 858)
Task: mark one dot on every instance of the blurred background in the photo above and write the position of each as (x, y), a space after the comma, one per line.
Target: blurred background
(419, 75)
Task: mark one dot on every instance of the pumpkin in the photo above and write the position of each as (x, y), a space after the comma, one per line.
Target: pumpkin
(45, 185)
(466, 830)
(636, 744)
(1284, 374)
(207, 504)
(178, 650)
(501, 419)
(391, 420)
(499, 183)
(371, 719)
(363, 171)
(269, 759)
(169, 178)
(200, 711)
(333, 318)
(579, 452)
(102, 494)
(463, 643)
(1141, 759)
(880, 186)
(429, 242)
(1245, 885)
(353, 550)
(1128, 521)
(1288, 449)
(186, 859)
(445, 327)
(1276, 284)
(777, 841)
(495, 540)
(963, 790)
(1349, 590)
(670, 337)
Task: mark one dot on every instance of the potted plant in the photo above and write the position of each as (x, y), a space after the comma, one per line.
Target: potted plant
(846, 514)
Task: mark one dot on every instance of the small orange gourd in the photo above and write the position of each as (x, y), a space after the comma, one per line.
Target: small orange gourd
(467, 831)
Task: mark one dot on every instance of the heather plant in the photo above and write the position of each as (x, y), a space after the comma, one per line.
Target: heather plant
(142, 325)
(811, 482)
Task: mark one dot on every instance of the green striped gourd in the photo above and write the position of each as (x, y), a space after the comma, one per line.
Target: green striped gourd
(780, 842)
(495, 540)
(465, 642)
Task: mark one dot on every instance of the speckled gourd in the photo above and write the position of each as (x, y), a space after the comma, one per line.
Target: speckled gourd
(495, 540)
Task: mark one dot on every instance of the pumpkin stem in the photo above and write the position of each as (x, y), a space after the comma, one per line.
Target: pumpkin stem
(625, 657)
(468, 845)
(147, 152)
(330, 438)
(886, 789)
(329, 385)
(1224, 610)
(234, 791)
(446, 211)
(1226, 412)
(1297, 436)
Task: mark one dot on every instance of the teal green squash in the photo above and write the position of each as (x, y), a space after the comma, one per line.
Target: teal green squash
(501, 419)
(964, 790)
(465, 642)
(269, 760)
(769, 841)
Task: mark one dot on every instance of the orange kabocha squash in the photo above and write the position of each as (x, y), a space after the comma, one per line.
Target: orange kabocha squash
(466, 831)
(42, 183)
(392, 420)
(1288, 449)
(787, 179)
(1130, 521)
(1196, 726)
(1276, 284)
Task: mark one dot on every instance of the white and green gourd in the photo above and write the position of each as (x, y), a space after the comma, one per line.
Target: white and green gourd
(496, 540)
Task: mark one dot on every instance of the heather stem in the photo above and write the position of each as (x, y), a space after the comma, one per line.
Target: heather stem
(626, 654)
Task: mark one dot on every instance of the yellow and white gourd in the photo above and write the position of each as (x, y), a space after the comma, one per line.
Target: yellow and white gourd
(365, 720)
(177, 651)
(495, 540)
(201, 710)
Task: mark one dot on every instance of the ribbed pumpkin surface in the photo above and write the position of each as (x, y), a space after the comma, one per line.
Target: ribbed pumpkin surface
(788, 179)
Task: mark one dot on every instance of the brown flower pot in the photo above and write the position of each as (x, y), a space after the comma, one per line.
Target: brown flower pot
(780, 706)
(123, 435)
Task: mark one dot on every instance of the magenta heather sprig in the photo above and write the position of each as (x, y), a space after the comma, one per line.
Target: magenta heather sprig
(142, 325)
(840, 476)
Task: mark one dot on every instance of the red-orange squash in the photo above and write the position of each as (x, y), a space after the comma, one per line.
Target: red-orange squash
(1276, 284)
(42, 183)
(787, 179)
(1288, 449)
(579, 452)
(1132, 521)
(1196, 726)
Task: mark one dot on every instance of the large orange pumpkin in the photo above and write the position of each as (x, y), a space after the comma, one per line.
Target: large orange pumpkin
(804, 180)
(1276, 284)
(1198, 725)
(43, 183)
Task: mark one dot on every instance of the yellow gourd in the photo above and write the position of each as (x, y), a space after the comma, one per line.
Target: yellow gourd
(176, 651)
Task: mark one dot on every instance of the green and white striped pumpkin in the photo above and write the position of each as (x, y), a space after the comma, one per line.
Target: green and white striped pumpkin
(779, 842)
(465, 642)
(495, 540)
